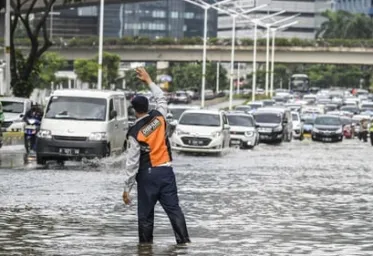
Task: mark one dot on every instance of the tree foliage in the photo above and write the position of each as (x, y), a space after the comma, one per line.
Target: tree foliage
(342, 24)
(87, 70)
(49, 64)
(133, 83)
(189, 75)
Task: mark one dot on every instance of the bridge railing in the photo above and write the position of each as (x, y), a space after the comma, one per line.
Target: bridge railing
(132, 41)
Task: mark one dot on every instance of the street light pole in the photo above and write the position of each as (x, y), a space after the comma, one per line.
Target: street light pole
(232, 62)
(273, 50)
(100, 46)
(204, 58)
(7, 48)
(267, 62)
(217, 77)
(254, 62)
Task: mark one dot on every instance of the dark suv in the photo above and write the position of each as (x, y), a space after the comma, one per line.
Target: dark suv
(274, 124)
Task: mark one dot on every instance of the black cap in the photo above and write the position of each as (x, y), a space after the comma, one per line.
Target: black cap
(140, 104)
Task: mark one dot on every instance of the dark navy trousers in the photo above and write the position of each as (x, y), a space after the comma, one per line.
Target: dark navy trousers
(153, 185)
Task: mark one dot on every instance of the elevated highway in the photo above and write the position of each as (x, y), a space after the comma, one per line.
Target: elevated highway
(179, 53)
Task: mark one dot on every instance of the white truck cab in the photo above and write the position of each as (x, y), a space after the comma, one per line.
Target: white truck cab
(82, 124)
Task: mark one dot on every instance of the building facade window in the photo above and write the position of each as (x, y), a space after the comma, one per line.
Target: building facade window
(189, 15)
(175, 15)
(158, 14)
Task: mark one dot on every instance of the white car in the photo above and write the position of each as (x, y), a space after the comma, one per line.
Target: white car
(243, 130)
(201, 131)
(297, 126)
(14, 110)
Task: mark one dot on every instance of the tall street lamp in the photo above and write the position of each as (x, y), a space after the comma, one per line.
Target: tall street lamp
(7, 47)
(273, 50)
(100, 45)
(206, 7)
(256, 23)
(234, 16)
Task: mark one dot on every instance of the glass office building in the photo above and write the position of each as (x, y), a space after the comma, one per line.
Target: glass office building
(163, 18)
(354, 6)
(308, 22)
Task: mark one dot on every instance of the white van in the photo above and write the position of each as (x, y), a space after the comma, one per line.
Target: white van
(82, 124)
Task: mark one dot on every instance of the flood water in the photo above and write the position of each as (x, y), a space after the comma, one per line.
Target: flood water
(300, 198)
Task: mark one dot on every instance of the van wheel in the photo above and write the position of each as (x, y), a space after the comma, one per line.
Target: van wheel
(40, 160)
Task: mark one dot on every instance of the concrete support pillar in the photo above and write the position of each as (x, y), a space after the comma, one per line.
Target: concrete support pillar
(69, 81)
(162, 67)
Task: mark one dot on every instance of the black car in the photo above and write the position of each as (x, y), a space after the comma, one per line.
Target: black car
(274, 124)
(327, 128)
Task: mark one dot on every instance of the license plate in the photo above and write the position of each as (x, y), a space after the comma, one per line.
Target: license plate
(69, 151)
(265, 130)
(30, 127)
(195, 142)
(264, 136)
(235, 142)
(327, 139)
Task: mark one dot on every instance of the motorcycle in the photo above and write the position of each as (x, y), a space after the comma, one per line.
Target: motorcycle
(31, 130)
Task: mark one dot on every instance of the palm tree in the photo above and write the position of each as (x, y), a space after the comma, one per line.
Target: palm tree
(334, 25)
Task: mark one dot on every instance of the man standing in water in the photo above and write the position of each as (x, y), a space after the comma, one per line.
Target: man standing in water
(149, 163)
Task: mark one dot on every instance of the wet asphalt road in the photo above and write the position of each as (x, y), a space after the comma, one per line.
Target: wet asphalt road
(299, 198)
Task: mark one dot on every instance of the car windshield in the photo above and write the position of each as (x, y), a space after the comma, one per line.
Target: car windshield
(243, 108)
(268, 118)
(12, 107)
(295, 117)
(367, 106)
(236, 120)
(76, 108)
(346, 121)
(200, 119)
(309, 121)
(328, 121)
(255, 106)
(177, 112)
(350, 109)
(268, 103)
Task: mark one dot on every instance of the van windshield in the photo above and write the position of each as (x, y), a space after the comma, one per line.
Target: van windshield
(12, 107)
(268, 118)
(76, 108)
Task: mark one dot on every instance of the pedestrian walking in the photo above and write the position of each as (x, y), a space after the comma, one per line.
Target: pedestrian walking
(149, 163)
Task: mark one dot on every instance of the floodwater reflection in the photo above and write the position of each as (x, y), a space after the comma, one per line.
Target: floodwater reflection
(294, 199)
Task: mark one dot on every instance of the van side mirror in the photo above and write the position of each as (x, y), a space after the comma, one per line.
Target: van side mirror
(257, 126)
(169, 116)
(285, 122)
(113, 114)
(302, 120)
(21, 115)
(174, 123)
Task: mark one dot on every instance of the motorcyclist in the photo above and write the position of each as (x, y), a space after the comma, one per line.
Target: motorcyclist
(34, 113)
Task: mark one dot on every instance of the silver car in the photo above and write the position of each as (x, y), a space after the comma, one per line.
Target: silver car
(243, 130)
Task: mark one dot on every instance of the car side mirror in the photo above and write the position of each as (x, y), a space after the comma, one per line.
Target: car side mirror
(174, 123)
(257, 126)
(113, 114)
(21, 115)
(302, 120)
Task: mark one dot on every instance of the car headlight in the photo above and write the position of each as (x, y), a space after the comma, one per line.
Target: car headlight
(215, 134)
(97, 136)
(339, 130)
(180, 132)
(315, 130)
(278, 129)
(45, 134)
(249, 134)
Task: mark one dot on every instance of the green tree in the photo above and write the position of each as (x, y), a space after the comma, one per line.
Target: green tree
(25, 69)
(87, 71)
(189, 75)
(133, 83)
(345, 25)
(110, 63)
(50, 63)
